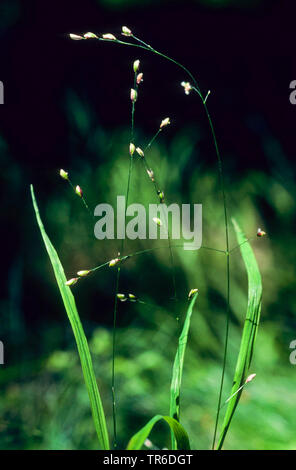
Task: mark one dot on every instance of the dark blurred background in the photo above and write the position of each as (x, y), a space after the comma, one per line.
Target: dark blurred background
(67, 106)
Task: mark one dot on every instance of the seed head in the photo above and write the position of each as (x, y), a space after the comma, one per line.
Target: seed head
(160, 195)
(139, 78)
(165, 122)
(150, 174)
(84, 272)
(78, 191)
(113, 262)
(109, 36)
(76, 37)
(134, 95)
(187, 87)
(64, 174)
(126, 31)
(121, 297)
(90, 36)
(72, 281)
(136, 65)
(132, 148)
(132, 297)
(140, 151)
(250, 378)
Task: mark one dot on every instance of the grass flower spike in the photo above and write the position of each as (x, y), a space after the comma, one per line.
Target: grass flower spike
(64, 174)
(132, 148)
(90, 36)
(72, 281)
(187, 87)
(76, 37)
(126, 31)
(165, 122)
(139, 78)
(84, 273)
(133, 95)
(109, 36)
(113, 262)
(78, 191)
(136, 65)
(140, 152)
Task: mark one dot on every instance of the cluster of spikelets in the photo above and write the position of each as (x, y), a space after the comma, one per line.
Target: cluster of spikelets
(132, 149)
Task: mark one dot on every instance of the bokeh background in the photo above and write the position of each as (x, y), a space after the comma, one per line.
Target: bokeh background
(67, 106)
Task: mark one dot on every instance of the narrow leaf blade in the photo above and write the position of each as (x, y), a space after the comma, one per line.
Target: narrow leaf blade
(181, 436)
(81, 341)
(178, 366)
(250, 327)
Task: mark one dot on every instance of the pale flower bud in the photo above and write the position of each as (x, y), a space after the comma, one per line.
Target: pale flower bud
(150, 174)
(134, 95)
(160, 195)
(76, 37)
(187, 87)
(139, 78)
(121, 297)
(136, 65)
(90, 36)
(113, 262)
(140, 151)
(126, 31)
(132, 297)
(132, 148)
(84, 272)
(72, 281)
(165, 122)
(64, 174)
(250, 378)
(109, 36)
(78, 191)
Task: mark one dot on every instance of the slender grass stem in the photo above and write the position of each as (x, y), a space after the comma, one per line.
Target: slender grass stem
(146, 46)
(118, 279)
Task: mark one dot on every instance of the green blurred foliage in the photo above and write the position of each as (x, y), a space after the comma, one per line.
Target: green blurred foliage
(44, 403)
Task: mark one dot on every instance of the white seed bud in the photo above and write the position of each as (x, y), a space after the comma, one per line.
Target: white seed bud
(109, 36)
(136, 65)
(90, 36)
(84, 272)
(72, 281)
(140, 151)
(64, 174)
(126, 31)
(132, 148)
(133, 95)
(165, 122)
(78, 191)
(76, 37)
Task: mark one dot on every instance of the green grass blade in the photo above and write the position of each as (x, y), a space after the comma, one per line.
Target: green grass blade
(181, 436)
(81, 341)
(250, 327)
(178, 367)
